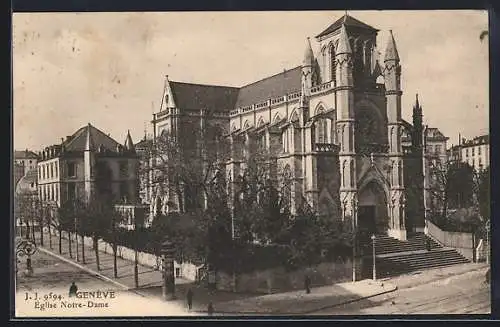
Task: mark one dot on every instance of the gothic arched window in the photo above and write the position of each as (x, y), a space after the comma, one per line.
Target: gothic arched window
(284, 140)
(358, 57)
(368, 55)
(333, 65)
(321, 130)
(351, 173)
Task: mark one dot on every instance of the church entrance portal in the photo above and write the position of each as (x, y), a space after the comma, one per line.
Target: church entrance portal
(366, 219)
(372, 211)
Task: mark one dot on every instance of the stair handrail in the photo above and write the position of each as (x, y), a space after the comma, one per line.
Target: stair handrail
(429, 234)
(480, 249)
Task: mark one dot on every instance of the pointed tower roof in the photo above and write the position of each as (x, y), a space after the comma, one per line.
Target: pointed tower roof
(343, 46)
(129, 145)
(391, 52)
(417, 105)
(89, 144)
(348, 21)
(308, 54)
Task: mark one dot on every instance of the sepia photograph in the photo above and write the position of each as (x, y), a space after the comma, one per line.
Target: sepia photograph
(238, 164)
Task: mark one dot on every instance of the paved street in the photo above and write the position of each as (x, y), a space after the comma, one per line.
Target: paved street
(46, 294)
(53, 274)
(463, 294)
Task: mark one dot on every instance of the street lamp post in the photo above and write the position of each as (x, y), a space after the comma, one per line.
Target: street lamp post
(488, 243)
(76, 240)
(354, 240)
(373, 255)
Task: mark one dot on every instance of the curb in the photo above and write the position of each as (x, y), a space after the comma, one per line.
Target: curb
(88, 270)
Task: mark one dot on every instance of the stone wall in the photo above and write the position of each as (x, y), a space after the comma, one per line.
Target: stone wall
(279, 280)
(188, 270)
(462, 242)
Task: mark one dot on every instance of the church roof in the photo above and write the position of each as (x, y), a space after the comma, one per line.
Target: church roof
(274, 86)
(349, 21)
(78, 140)
(225, 98)
(199, 96)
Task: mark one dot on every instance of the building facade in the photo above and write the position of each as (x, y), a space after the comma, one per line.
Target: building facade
(332, 127)
(86, 164)
(475, 152)
(24, 161)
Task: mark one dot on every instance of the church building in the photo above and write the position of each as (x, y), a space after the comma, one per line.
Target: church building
(332, 125)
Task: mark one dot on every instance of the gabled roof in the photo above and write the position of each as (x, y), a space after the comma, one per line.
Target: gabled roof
(349, 21)
(271, 87)
(78, 140)
(198, 96)
(434, 133)
(26, 154)
(224, 98)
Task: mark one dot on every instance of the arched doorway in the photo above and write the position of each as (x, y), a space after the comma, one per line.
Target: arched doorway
(373, 217)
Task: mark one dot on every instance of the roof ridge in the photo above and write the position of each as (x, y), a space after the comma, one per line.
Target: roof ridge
(274, 75)
(207, 85)
(106, 135)
(74, 136)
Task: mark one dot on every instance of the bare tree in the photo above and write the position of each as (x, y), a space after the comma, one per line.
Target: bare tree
(185, 168)
(451, 185)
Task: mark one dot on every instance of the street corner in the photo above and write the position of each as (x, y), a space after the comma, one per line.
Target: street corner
(94, 303)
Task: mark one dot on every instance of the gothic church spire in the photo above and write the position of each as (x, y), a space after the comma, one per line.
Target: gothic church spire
(391, 52)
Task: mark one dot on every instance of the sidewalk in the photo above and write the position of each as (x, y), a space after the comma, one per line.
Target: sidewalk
(433, 275)
(150, 280)
(300, 303)
(224, 302)
(147, 276)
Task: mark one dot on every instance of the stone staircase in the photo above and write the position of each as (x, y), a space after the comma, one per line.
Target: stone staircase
(395, 257)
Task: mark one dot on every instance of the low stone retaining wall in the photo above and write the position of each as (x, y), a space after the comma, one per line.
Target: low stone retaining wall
(279, 280)
(186, 270)
(463, 243)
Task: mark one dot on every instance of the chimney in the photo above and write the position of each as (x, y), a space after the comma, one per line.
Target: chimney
(68, 138)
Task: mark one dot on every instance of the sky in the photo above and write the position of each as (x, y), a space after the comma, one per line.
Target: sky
(108, 69)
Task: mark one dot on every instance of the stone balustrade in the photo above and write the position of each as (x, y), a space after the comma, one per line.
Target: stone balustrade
(322, 88)
(326, 147)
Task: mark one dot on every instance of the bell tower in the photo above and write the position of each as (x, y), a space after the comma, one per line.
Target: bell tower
(397, 201)
(345, 125)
